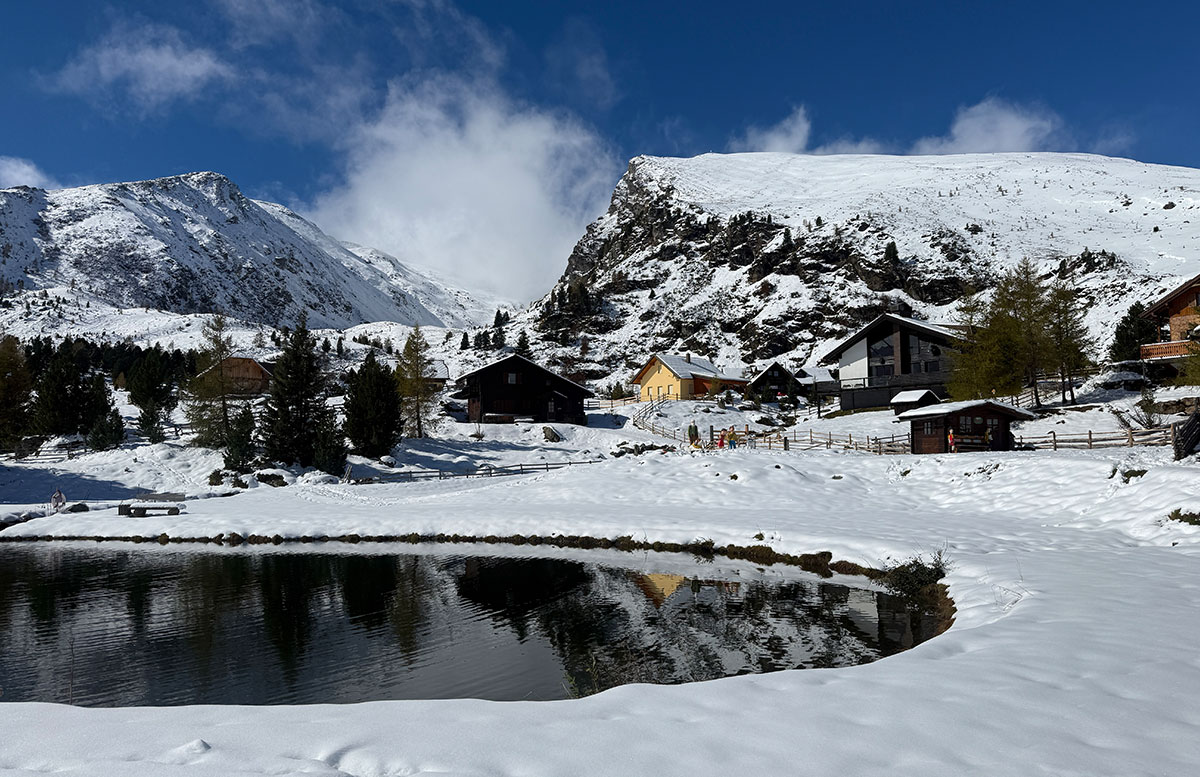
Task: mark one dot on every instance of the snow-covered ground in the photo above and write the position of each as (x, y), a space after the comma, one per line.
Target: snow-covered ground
(1073, 650)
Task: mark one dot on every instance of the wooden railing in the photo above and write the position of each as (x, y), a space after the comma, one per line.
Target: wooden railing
(1185, 435)
(609, 404)
(1126, 438)
(1173, 349)
(485, 471)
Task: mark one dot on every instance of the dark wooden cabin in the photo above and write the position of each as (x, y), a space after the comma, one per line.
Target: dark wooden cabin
(912, 399)
(773, 381)
(244, 376)
(515, 387)
(978, 425)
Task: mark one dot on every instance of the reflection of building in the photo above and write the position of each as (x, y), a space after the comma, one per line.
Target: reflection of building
(889, 355)
(659, 587)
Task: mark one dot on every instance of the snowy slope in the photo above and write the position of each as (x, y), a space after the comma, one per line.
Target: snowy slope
(694, 254)
(194, 243)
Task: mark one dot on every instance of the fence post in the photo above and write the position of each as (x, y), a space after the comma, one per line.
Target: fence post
(1129, 432)
(1053, 440)
(830, 443)
(785, 443)
(810, 437)
(521, 468)
(1089, 439)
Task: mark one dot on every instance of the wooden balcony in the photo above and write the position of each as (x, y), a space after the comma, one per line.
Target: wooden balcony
(1176, 349)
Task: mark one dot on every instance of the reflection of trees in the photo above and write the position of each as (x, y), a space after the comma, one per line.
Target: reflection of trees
(288, 585)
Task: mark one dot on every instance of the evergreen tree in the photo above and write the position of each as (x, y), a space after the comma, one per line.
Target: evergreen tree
(341, 347)
(61, 394)
(239, 444)
(1131, 334)
(209, 403)
(413, 371)
(891, 255)
(523, 348)
(326, 346)
(16, 391)
(465, 344)
(107, 432)
(498, 339)
(151, 384)
(372, 409)
(1019, 311)
(498, 321)
(329, 445)
(295, 411)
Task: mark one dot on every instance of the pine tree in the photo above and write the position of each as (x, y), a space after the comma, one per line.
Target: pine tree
(498, 339)
(239, 445)
(209, 404)
(372, 409)
(413, 371)
(341, 347)
(1019, 311)
(57, 408)
(295, 410)
(465, 344)
(16, 391)
(326, 346)
(151, 384)
(523, 348)
(891, 255)
(1131, 334)
(329, 445)
(107, 432)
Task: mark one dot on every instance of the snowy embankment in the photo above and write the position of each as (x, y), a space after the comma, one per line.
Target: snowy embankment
(1072, 652)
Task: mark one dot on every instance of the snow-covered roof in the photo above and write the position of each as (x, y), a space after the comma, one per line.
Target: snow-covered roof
(439, 370)
(686, 367)
(943, 331)
(949, 408)
(912, 395)
(814, 375)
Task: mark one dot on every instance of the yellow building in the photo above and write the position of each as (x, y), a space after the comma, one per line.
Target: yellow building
(682, 377)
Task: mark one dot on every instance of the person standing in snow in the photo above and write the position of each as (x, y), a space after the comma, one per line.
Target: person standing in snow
(57, 500)
(721, 440)
(950, 441)
(693, 433)
(732, 438)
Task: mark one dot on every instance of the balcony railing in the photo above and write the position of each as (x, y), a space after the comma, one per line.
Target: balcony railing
(1172, 350)
(916, 379)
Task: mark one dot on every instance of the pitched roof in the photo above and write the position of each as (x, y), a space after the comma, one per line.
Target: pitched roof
(774, 364)
(912, 395)
(949, 408)
(503, 359)
(1165, 300)
(684, 369)
(944, 331)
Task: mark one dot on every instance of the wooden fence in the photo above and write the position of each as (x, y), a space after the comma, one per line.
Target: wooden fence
(609, 404)
(1185, 435)
(412, 476)
(1127, 438)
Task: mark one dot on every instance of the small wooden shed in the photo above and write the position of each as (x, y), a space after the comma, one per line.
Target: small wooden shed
(912, 399)
(977, 425)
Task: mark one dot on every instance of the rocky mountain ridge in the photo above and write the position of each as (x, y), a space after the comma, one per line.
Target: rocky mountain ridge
(751, 257)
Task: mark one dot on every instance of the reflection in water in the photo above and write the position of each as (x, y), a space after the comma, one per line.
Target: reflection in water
(103, 627)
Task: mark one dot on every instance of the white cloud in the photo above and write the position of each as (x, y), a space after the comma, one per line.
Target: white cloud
(150, 64)
(21, 172)
(790, 135)
(997, 125)
(455, 176)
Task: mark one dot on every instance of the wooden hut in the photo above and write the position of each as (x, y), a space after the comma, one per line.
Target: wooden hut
(912, 399)
(1177, 316)
(244, 376)
(515, 387)
(978, 425)
(773, 381)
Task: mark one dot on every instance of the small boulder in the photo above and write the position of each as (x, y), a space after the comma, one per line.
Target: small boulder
(387, 461)
(550, 434)
(78, 507)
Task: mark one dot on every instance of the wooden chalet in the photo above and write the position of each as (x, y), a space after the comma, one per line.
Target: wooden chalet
(978, 425)
(1177, 316)
(889, 355)
(515, 387)
(683, 377)
(912, 399)
(773, 381)
(244, 375)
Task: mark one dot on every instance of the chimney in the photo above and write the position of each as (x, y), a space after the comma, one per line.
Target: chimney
(687, 357)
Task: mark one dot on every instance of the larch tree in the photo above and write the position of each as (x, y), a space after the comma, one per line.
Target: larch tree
(414, 369)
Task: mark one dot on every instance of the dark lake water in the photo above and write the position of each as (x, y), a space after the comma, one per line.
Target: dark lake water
(107, 626)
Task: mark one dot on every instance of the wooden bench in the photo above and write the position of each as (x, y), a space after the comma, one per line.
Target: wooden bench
(144, 504)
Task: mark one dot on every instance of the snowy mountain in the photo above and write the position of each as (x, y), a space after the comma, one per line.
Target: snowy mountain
(749, 257)
(194, 243)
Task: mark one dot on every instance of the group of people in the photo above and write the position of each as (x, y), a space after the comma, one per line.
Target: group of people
(727, 438)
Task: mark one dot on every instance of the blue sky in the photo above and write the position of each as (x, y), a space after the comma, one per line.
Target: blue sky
(479, 137)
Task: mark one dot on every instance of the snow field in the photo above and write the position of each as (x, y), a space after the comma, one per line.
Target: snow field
(1072, 652)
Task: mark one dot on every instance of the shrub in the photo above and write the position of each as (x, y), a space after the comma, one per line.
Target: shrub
(914, 578)
(1179, 515)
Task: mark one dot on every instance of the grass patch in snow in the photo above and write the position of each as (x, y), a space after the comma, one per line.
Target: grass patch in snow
(915, 579)
(1179, 515)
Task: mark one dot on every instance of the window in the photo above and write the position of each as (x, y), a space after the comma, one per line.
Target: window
(512, 378)
(928, 428)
